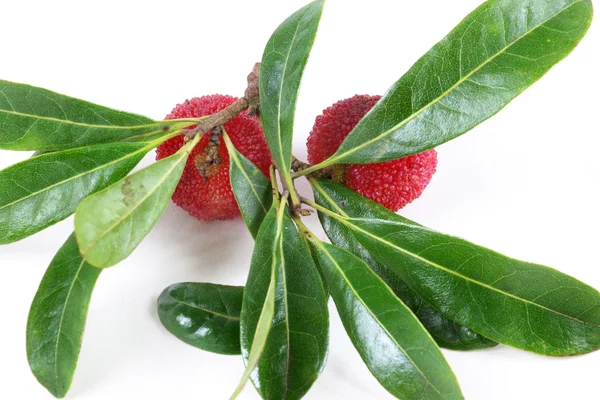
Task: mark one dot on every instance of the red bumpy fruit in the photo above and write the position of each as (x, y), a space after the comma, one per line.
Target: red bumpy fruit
(392, 184)
(209, 197)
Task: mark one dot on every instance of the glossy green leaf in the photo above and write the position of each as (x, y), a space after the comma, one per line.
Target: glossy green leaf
(204, 315)
(254, 329)
(296, 349)
(340, 199)
(493, 55)
(524, 305)
(252, 190)
(57, 318)
(110, 224)
(33, 118)
(394, 345)
(46, 189)
(283, 62)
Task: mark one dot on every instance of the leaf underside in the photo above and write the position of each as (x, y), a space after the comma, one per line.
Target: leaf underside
(110, 224)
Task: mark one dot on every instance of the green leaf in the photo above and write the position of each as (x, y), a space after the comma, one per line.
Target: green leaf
(524, 305)
(57, 318)
(497, 52)
(296, 349)
(339, 198)
(390, 339)
(204, 315)
(255, 330)
(110, 224)
(33, 118)
(46, 189)
(283, 62)
(253, 191)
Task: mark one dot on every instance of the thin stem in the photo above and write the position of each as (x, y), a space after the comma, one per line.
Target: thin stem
(294, 197)
(249, 101)
(310, 170)
(274, 186)
(322, 209)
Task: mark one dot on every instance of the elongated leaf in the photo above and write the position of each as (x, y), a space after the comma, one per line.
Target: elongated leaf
(524, 305)
(254, 329)
(110, 224)
(497, 52)
(283, 62)
(204, 315)
(339, 198)
(390, 339)
(46, 189)
(298, 340)
(57, 318)
(252, 190)
(33, 118)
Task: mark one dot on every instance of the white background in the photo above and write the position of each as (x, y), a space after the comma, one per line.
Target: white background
(524, 183)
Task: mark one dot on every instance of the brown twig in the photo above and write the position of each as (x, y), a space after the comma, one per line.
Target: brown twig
(250, 102)
(298, 166)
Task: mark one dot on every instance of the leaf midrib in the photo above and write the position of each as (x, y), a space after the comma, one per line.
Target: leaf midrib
(449, 271)
(60, 324)
(66, 121)
(336, 158)
(194, 306)
(356, 295)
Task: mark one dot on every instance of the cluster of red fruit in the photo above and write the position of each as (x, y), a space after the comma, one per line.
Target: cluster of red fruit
(208, 195)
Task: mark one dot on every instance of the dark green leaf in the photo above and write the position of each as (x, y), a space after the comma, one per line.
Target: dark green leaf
(253, 191)
(46, 189)
(254, 329)
(339, 198)
(297, 344)
(204, 315)
(57, 318)
(283, 62)
(110, 224)
(33, 118)
(524, 305)
(390, 339)
(497, 52)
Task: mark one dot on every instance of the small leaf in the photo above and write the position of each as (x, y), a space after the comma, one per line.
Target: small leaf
(390, 339)
(110, 224)
(296, 349)
(497, 52)
(57, 318)
(524, 305)
(33, 118)
(43, 190)
(283, 62)
(255, 331)
(340, 199)
(204, 315)
(253, 191)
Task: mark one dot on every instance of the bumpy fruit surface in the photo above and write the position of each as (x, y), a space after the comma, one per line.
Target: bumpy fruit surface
(392, 184)
(210, 197)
